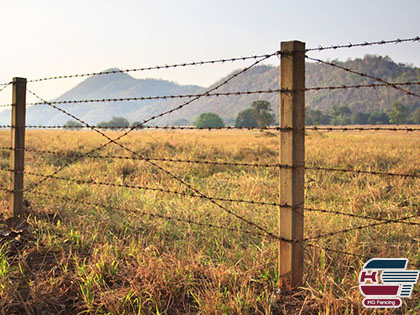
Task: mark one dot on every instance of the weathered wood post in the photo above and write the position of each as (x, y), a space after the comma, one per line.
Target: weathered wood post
(18, 145)
(292, 153)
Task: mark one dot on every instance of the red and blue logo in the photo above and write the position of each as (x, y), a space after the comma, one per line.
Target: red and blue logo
(384, 281)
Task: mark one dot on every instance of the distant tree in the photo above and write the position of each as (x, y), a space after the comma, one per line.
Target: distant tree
(335, 111)
(181, 122)
(72, 124)
(208, 120)
(246, 118)
(262, 113)
(416, 116)
(398, 113)
(340, 115)
(115, 122)
(119, 122)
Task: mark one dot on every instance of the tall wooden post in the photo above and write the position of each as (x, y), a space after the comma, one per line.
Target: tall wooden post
(18, 145)
(292, 153)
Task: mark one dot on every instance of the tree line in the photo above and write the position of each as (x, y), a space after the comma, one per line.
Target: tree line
(261, 115)
(398, 113)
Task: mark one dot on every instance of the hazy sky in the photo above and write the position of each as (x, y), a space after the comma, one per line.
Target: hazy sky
(43, 38)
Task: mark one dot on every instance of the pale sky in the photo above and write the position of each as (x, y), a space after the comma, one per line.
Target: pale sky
(44, 38)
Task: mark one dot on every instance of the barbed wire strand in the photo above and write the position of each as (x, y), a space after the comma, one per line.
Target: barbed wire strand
(232, 128)
(217, 94)
(239, 217)
(185, 64)
(317, 128)
(364, 44)
(78, 181)
(160, 97)
(70, 154)
(93, 182)
(157, 116)
(355, 171)
(363, 75)
(139, 127)
(358, 86)
(359, 216)
(207, 162)
(141, 213)
(5, 85)
(168, 191)
(328, 249)
(237, 93)
(361, 227)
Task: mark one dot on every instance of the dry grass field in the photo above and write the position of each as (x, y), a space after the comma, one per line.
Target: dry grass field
(101, 249)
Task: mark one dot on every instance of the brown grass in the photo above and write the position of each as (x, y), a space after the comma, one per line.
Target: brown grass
(95, 259)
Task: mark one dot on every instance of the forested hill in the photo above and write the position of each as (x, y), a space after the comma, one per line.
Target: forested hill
(257, 78)
(363, 99)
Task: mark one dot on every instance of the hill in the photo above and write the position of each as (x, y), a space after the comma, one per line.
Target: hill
(119, 85)
(366, 99)
(122, 85)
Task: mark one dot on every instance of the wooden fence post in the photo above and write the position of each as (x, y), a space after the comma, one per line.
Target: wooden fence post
(292, 153)
(17, 153)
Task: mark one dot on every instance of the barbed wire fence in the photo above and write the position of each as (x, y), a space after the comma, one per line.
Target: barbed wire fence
(190, 190)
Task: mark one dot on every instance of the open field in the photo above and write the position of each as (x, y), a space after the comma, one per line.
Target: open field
(102, 253)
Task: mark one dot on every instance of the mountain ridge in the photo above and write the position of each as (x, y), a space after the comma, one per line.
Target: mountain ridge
(264, 77)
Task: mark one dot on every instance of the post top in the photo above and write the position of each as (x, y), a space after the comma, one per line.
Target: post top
(292, 45)
(19, 79)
